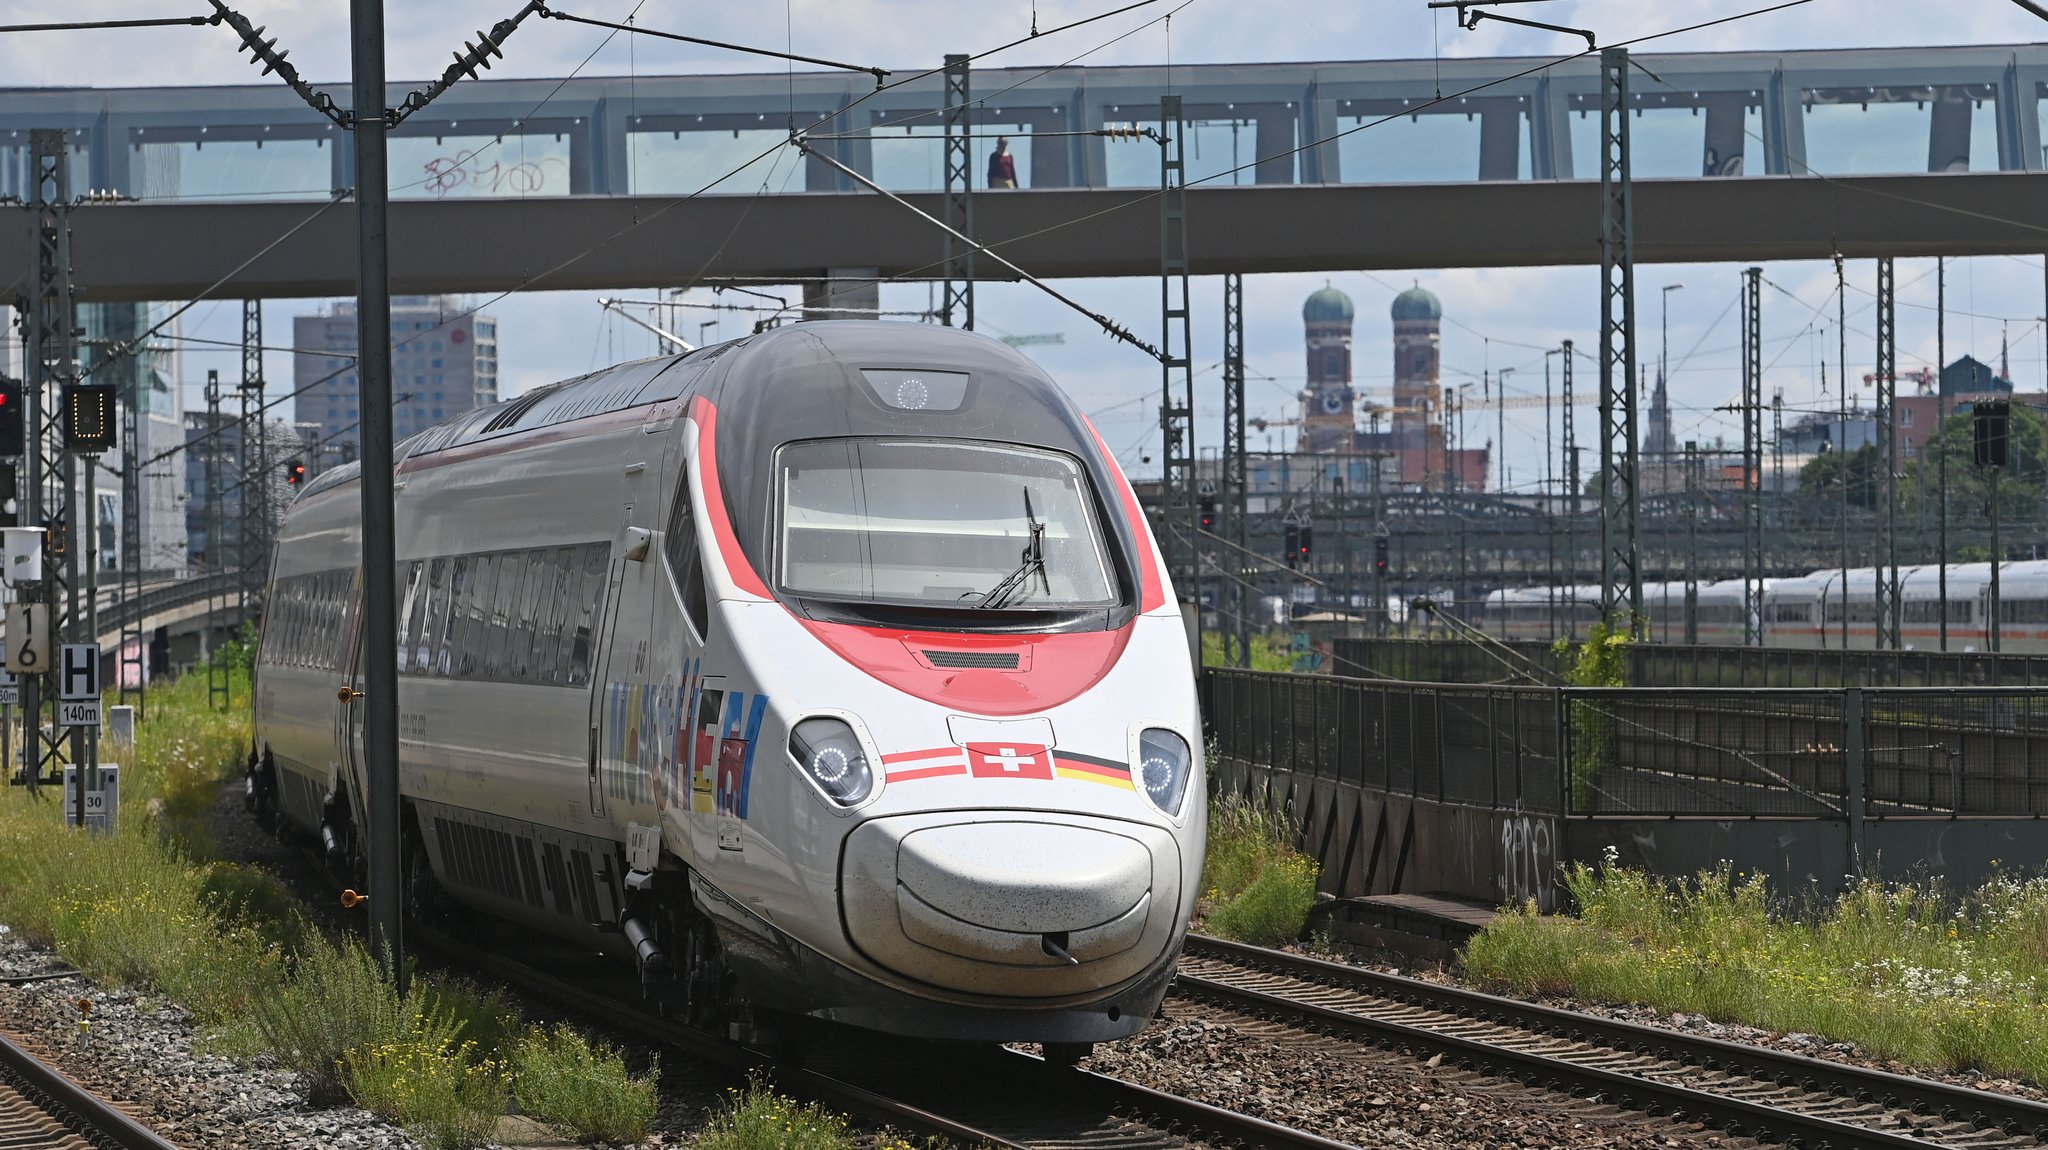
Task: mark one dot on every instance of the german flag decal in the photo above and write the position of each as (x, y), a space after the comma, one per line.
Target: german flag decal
(1088, 769)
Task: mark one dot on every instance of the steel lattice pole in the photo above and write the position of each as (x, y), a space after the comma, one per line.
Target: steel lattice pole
(1621, 580)
(958, 294)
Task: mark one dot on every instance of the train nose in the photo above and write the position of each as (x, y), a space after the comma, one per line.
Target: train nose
(1016, 907)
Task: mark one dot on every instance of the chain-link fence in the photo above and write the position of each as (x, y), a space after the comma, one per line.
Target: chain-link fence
(1785, 753)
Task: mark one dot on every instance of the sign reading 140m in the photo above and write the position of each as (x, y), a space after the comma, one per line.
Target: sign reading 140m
(78, 685)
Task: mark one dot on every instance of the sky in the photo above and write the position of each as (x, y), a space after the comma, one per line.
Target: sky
(1495, 319)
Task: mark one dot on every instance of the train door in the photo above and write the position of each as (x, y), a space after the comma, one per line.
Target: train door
(348, 720)
(617, 757)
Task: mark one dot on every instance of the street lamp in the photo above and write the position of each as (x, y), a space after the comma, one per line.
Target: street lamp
(1664, 377)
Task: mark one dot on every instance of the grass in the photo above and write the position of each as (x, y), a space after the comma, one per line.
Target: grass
(1271, 651)
(569, 1083)
(141, 909)
(758, 1118)
(1256, 887)
(1910, 972)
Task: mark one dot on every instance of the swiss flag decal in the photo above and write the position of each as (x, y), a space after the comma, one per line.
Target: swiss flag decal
(1009, 760)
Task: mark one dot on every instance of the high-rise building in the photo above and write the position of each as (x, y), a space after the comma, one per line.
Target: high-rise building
(444, 361)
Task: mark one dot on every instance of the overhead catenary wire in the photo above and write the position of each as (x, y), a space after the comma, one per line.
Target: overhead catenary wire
(1109, 326)
(881, 75)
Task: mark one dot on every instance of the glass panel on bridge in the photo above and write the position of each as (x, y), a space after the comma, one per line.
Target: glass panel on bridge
(1432, 147)
(425, 167)
(910, 156)
(14, 173)
(280, 169)
(679, 161)
(1685, 141)
(1872, 130)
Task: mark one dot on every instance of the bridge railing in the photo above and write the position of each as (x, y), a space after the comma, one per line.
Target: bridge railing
(1699, 665)
(223, 585)
(1823, 753)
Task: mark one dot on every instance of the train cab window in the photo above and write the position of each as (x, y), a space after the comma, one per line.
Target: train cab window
(937, 523)
(685, 566)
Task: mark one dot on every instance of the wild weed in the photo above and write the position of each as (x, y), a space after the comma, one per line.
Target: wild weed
(563, 1079)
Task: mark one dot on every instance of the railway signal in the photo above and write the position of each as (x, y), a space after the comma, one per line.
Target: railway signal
(1293, 545)
(1991, 433)
(1307, 541)
(89, 418)
(1208, 508)
(1379, 555)
(13, 417)
(294, 472)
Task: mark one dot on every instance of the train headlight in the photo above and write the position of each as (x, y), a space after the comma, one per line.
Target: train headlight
(831, 754)
(1163, 768)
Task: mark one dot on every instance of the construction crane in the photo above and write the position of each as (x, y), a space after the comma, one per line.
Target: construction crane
(1922, 378)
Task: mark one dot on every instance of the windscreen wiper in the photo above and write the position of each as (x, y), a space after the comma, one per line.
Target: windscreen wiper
(1034, 561)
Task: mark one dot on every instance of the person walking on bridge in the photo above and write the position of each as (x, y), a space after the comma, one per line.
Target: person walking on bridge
(1002, 166)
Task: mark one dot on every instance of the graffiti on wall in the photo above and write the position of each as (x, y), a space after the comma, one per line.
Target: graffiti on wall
(1528, 860)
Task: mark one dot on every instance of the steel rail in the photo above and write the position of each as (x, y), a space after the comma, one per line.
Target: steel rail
(703, 1046)
(95, 1118)
(1113, 1094)
(1846, 1083)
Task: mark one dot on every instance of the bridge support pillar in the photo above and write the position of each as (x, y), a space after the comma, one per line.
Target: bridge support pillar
(844, 293)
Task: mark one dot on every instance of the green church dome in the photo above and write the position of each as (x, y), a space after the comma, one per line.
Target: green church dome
(1417, 303)
(1327, 305)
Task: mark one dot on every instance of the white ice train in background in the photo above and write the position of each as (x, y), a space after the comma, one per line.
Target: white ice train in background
(828, 673)
(1808, 611)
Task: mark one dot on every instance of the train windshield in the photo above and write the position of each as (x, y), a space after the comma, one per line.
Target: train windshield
(939, 523)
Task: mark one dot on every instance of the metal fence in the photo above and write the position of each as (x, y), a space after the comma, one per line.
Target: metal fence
(1484, 746)
(1814, 753)
(1676, 665)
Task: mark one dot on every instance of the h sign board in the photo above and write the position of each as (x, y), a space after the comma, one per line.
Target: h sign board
(78, 672)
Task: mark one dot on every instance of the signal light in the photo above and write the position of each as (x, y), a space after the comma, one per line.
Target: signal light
(1207, 505)
(1379, 555)
(294, 472)
(1308, 539)
(89, 418)
(13, 417)
(1293, 547)
(56, 536)
(1991, 433)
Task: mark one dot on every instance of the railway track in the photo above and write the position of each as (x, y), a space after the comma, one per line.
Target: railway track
(39, 1107)
(975, 1096)
(1746, 1090)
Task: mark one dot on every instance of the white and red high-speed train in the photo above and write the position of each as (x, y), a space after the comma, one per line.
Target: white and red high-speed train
(831, 672)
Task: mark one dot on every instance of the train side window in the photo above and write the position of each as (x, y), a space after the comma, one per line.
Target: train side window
(590, 611)
(526, 620)
(476, 614)
(555, 568)
(504, 613)
(433, 599)
(461, 581)
(686, 567)
(408, 612)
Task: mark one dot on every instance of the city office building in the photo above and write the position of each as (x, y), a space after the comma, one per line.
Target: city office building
(444, 361)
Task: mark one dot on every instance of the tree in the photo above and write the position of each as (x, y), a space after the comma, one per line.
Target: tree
(2020, 488)
(1824, 475)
